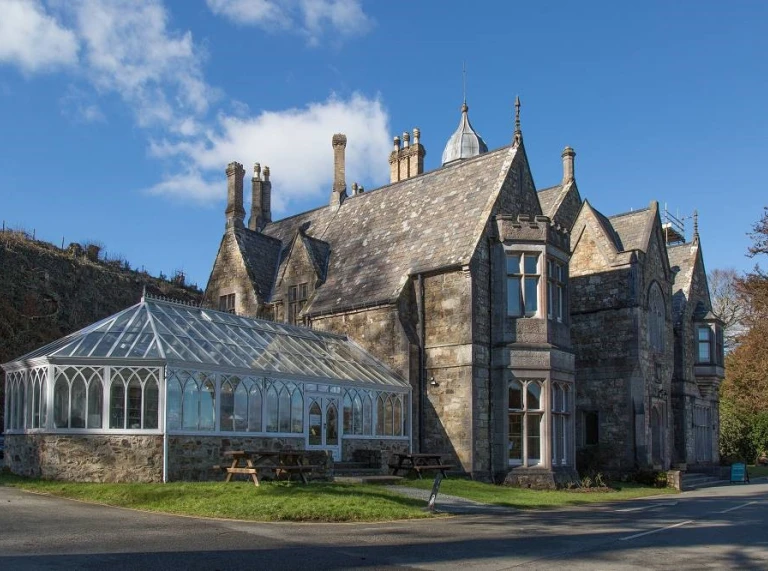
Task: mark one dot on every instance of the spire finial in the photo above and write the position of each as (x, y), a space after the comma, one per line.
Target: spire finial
(464, 80)
(695, 224)
(518, 132)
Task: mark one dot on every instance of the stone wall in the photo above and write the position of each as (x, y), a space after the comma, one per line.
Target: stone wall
(229, 275)
(387, 447)
(86, 458)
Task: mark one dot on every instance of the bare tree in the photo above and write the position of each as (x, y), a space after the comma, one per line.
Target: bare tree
(729, 304)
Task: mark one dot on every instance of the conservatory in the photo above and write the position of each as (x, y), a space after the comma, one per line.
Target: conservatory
(157, 391)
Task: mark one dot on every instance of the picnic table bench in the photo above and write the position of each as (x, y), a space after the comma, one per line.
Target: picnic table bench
(279, 462)
(413, 462)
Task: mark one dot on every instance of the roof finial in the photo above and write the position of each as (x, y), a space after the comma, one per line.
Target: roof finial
(695, 224)
(518, 133)
(464, 80)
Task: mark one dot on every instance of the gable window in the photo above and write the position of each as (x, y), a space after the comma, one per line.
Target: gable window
(227, 303)
(556, 274)
(522, 284)
(525, 415)
(297, 297)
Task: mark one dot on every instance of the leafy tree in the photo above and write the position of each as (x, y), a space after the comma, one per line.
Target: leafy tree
(744, 392)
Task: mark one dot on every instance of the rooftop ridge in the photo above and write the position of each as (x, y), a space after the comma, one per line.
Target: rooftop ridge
(148, 296)
(420, 176)
(620, 214)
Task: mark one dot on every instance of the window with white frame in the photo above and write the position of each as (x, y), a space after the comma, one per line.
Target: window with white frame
(241, 404)
(390, 414)
(525, 415)
(191, 400)
(78, 397)
(37, 400)
(523, 275)
(15, 399)
(556, 289)
(656, 318)
(134, 398)
(561, 423)
(358, 412)
(285, 407)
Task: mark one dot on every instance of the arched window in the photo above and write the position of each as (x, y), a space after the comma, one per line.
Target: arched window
(134, 398)
(61, 403)
(656, 318)
(272, 401)
(207, 403)
(254, 409)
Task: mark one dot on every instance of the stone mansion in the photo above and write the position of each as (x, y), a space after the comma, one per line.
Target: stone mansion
(532, 328)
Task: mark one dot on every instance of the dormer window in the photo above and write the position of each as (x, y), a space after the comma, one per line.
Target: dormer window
(523, 284)
(297, 297)
(227, 303)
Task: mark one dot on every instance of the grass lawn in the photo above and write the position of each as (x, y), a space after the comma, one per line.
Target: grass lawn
(529, 499)
(757, 471)
(284, 501)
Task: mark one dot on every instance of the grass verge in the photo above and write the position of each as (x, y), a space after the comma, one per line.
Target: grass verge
(757, 471)
(283, 501)
(523, 498)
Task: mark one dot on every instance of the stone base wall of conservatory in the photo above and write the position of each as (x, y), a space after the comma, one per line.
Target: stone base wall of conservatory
(86, 458)
(386, 447)
(191, 458)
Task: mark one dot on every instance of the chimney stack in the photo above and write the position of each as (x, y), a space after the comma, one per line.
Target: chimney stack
(235, 213)
(407, 161)
(339, 142)
(261, 191)
(568, 173)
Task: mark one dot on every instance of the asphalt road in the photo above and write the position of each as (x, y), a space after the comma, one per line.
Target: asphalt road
(717, 528)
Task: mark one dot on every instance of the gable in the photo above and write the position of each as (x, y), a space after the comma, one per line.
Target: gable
(297, 265)
(591, 251)
(230, 275)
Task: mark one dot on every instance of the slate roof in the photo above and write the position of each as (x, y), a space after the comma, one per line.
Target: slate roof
(261, 255)
(378, 238)
(682, 259)
(548, 199)
(633, 229)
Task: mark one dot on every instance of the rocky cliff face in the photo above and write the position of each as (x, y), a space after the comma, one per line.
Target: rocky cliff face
(46, 293)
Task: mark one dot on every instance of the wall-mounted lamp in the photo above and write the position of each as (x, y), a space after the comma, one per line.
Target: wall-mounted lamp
(433, 382)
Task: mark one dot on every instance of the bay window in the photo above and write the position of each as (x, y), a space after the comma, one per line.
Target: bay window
(523, 284)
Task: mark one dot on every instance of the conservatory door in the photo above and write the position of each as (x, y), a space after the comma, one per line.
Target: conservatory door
(324, 424)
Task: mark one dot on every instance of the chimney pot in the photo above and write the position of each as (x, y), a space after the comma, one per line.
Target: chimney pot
(406, 139)
(396, 143)
(416, 135)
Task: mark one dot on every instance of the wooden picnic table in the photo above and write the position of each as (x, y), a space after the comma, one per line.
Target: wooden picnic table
(419, 462)
(251, 462)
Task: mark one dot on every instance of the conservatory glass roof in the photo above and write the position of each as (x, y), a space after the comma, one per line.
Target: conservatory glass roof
(163, 329)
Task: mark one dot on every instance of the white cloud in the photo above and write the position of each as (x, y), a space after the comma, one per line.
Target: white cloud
(188, 185)
(32, 39)
(128, 49)
(295, 144)
(312, 18)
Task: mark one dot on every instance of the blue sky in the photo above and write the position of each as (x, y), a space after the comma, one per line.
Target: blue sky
(118, 117)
